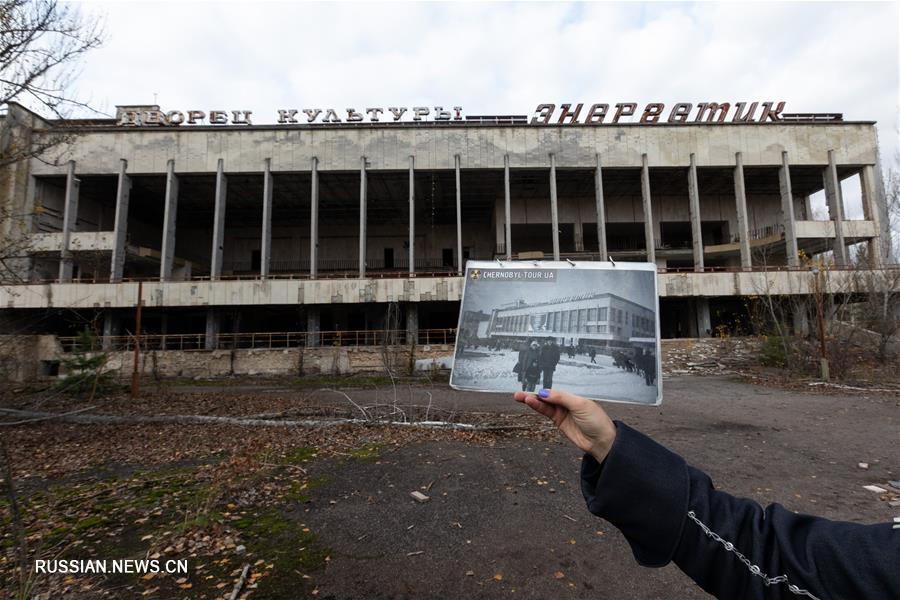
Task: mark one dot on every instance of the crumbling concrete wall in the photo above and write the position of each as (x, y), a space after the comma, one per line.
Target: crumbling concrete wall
(21, 356)
(329, 360)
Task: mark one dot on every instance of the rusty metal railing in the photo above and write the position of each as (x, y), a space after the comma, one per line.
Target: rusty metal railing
(584, 256)
(263, 340)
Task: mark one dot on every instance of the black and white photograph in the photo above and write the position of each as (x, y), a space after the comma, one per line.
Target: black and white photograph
(590, 328)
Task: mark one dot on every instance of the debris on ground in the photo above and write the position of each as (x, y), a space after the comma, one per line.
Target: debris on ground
(709, 356)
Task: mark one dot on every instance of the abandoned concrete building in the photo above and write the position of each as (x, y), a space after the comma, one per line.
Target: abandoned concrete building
(351, 234)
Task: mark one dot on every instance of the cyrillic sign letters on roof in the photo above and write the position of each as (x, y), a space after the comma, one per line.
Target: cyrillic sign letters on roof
(545, 114)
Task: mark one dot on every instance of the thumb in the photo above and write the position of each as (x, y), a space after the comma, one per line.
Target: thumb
(561, 398)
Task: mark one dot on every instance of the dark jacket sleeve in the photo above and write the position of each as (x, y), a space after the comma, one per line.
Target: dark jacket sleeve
(732, 547)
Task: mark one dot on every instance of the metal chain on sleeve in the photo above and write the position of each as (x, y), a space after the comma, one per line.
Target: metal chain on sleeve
(753, 568)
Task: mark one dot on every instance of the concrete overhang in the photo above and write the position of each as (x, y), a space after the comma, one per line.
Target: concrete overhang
(198, 149)
(354, 291)
(860, 230)
(79, 241)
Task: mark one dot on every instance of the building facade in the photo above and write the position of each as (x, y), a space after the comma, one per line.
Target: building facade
(228, 231)
(586, 320)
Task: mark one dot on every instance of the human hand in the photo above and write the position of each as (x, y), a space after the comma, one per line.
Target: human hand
(579, 419)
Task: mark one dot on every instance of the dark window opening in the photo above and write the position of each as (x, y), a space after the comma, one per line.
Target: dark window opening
(388, 258)
(447, 257)
(675, 234)
(625, 236)
(255, 261)
(538, 237)
(49, 368)
(715, 233)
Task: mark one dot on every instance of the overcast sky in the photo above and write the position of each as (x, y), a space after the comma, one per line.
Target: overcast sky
(498, 58)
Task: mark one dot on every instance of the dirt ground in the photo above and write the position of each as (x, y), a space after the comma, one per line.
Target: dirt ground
(328, 513)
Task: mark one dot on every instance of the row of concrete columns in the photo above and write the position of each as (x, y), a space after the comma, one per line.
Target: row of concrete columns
(167, 254)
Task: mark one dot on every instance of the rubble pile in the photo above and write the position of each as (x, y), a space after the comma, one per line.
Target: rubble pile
(709, 356)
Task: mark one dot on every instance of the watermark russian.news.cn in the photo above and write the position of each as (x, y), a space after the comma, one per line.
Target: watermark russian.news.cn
(111, 566)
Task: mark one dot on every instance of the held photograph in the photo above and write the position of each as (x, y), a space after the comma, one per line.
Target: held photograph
(590, 328)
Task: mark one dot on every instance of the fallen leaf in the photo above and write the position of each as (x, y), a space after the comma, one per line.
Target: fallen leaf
(559, 575)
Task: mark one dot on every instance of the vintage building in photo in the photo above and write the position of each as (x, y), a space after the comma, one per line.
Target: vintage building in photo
(599, 320)
(304, 235)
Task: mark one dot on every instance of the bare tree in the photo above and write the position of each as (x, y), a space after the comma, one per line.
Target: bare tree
(41, 44)
(892, 212)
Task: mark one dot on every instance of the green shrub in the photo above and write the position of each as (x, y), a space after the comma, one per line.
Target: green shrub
(772, 353)
(86, 373)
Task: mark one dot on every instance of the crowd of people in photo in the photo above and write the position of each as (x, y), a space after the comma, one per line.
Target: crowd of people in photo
(642, 362)
(539, 357)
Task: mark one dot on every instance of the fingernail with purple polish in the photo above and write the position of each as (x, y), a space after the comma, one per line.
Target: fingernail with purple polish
(544, 393)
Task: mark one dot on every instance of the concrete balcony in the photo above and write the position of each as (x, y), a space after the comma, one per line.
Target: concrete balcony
(853, 230)
(79, 241)
(293, 291)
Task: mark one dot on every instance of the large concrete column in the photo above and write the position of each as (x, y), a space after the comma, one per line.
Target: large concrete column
(704, 323)
(218, 231)
(314, 219)
(412, 214)
(363, 209)
(807, 208)
(836, 209)
(110, 329)
(554, 207)
(412, 323)
(507, 208)
(800, 317)
(70, 217)
(265, 243)
(601, 211)
(24, 225)
(874, 210)
(740, 198)
(649, 237)
(692, 314)
(313, 326)
(167, 253)
(120, 227)
(459, 247)
(164, 330)
(787, 212)
(213, 327)
(694, 208)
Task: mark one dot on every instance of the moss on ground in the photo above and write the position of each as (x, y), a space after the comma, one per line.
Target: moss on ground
(135, 514)
(289, 547)
(367, 452)
(299, 490)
